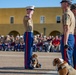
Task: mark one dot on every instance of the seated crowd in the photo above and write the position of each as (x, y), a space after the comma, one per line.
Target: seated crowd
(48, 44)
(40, 43)
(8, 43)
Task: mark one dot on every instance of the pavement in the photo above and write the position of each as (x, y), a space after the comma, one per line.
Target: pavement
(12, 63)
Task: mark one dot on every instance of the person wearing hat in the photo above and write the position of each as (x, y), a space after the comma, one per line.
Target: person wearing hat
(28, 36)
(68, 22)
(73, 8)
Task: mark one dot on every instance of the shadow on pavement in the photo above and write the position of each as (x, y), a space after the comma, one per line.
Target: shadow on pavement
(12, 72)
(21, 70)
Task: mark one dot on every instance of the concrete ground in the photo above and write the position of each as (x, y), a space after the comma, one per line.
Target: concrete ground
(12, 63)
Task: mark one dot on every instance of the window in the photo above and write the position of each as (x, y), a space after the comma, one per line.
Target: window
(42, 19)
(58, 20)
(11, 19)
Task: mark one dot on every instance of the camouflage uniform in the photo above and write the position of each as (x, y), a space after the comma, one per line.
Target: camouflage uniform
(68, 19)
(73, 7)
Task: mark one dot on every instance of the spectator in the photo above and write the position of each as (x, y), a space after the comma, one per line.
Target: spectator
(56, 44)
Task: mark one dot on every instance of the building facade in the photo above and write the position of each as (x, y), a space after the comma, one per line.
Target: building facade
(47, 20)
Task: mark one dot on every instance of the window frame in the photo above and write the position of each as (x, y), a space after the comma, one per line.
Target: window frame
(57, 21)
(11, 22)
(42, 19)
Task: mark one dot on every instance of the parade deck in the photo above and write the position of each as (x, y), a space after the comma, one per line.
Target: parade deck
(12, 63)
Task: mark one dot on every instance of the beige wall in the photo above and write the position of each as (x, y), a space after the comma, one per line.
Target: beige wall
(5, 15)
(50, 24)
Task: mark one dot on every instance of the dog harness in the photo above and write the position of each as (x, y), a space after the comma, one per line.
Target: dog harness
(61, 67)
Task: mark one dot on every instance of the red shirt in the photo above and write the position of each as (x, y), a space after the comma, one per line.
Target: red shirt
(56, 42)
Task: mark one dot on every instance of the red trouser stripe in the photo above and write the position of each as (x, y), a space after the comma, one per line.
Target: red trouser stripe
(65, 55)
(74, 66)
(26, 49)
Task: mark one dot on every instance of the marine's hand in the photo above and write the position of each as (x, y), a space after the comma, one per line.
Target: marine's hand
(66, 46)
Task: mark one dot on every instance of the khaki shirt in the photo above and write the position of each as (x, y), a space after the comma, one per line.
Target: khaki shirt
(28, 23)
(69, 19)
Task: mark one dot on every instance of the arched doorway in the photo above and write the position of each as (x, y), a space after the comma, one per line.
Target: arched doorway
(54, 33)
(14, 33)
(36, 32)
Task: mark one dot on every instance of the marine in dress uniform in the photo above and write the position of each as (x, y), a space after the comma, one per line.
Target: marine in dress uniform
(67, 42)
(28, 36)
(73, 8)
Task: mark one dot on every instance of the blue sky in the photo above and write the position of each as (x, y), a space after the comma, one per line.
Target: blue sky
(24, 3)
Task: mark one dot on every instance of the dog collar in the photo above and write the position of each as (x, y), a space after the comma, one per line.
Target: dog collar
(61, 67)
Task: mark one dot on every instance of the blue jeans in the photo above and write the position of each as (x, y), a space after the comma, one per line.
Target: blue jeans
(28, 39)
(69, 52)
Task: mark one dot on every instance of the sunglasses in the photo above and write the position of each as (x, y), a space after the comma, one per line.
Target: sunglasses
(30, 9)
